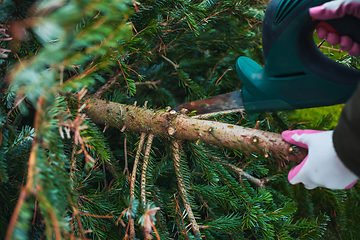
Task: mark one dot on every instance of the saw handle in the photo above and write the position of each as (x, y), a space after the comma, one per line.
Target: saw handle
(295, 14)
(345, 26)
(296, 73)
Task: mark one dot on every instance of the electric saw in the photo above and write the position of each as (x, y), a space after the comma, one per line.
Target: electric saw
(295, 74)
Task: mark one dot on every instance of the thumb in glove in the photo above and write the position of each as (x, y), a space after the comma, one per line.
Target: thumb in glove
(321, 167)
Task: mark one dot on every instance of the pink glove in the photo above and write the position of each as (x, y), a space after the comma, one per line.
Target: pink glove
(338, 9)
(321, 167)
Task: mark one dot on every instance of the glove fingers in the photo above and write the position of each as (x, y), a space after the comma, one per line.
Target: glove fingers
(353, 9)
(298, 137)
(333, 39)
(322, 13)
(346, 43)
(335, 9)
(295, 170)
(288, 137)
(322, 32)
(355, 50)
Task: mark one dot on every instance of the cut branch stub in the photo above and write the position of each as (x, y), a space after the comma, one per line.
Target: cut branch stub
(165, 124)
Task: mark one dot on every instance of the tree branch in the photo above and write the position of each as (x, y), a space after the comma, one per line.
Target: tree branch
(177, 157)
(175, 125)
(258, 182)
(144, 168)
(136, 162)
(3, 51)
(107, 85)
(133, 179)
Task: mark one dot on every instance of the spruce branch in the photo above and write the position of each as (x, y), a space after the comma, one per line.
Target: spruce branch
(78, 218)
(107, 85)
(29, 187)
(133, 179)
(126, 170)
(174, 125)
(149, 83)
(216, 114)
(136, 162)
(176, 66)
(241, 173)
(145, 166)
(180, 179)
(182, 224)
(15, 214)
(54, 221)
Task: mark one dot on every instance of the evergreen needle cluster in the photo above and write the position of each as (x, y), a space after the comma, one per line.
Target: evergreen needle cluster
(62, 176)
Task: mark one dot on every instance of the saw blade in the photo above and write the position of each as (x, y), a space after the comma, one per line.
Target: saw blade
(219, 103)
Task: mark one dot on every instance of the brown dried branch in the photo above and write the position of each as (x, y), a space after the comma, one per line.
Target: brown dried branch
(145, 166)
(177, 157)
(3, 52)
(182, 224)
(126, 170)
(132, 227)
(29, 187)
(94, 215)
(78, 218)
(149, 83)
(77, 126)
(155, 231)
(175, 125)
(16, 212)
(176, 66)
(5, 39)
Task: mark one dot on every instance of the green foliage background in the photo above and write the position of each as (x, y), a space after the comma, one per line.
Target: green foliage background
(164, 52)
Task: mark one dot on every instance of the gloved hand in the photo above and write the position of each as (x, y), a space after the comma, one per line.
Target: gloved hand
(321, 167)
(338, 9)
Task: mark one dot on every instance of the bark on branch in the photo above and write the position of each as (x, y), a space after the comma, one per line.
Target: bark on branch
(174, 125)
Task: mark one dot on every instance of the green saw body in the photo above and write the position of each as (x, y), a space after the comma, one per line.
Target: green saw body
(296, 73)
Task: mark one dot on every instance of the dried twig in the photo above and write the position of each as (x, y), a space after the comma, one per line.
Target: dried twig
(149, 83)
(125, 153)
(77, 126)
(176, 66)
(182, 224)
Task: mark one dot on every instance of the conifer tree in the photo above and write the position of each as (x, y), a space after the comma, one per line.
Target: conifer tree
(90, 149)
